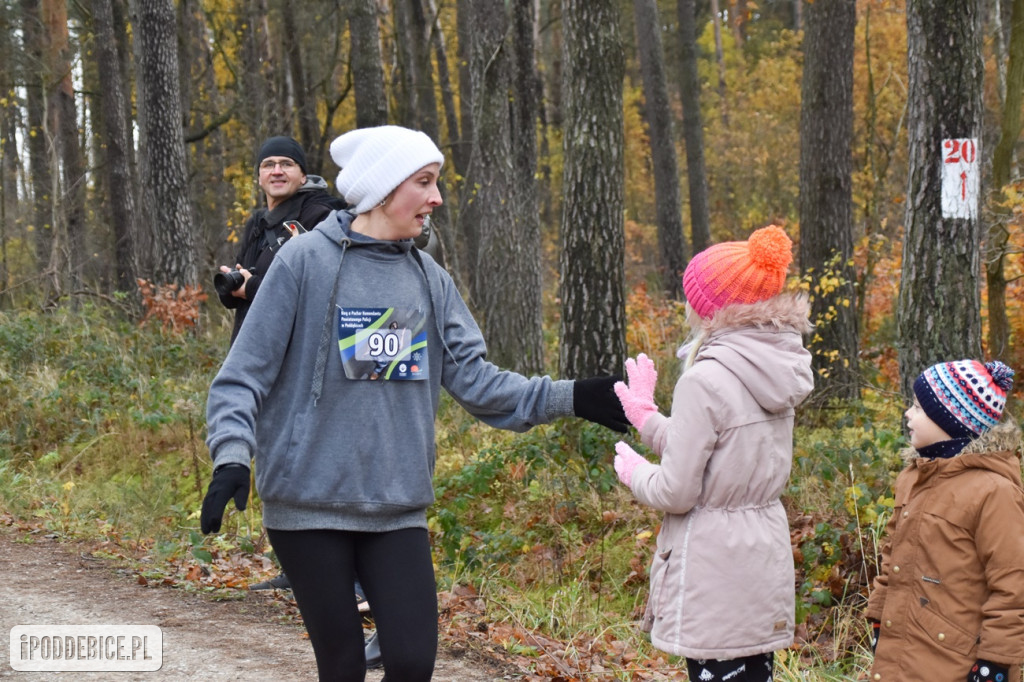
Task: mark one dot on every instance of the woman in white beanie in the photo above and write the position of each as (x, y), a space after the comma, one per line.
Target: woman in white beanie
(345, 459)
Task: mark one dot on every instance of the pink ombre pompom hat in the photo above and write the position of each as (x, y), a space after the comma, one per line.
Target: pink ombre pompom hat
(738, 272)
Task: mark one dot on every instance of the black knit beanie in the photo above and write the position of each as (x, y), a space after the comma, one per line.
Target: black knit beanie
(282, 146)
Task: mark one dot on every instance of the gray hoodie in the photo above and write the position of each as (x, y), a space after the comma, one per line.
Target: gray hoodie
(351, 447)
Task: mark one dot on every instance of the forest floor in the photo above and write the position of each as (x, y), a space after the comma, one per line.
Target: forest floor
(46, 582)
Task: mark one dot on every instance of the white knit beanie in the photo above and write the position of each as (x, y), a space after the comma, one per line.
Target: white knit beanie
(374, 161)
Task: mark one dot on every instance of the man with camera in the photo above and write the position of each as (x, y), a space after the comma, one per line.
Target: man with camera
(296, 202)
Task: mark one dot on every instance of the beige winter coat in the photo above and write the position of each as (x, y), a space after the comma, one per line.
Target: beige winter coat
(722, 579)
(951, 586)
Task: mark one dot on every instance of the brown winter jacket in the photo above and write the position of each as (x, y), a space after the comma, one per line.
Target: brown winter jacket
(722, 580)
(951, 586)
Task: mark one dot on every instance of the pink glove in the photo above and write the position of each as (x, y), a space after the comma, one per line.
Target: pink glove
(638, 397)
(626, 460)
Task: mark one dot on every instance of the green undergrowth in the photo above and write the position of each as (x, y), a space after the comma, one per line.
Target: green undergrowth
(101, 440)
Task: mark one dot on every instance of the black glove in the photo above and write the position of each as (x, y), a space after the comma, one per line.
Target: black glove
(229, 480)
(987, 671)
(594, 399)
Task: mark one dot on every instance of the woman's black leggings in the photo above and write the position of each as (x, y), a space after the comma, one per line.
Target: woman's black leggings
(397, 574)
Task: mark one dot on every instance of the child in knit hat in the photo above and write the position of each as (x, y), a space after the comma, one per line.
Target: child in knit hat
(337, 376)
(948, 603)
(722, 579)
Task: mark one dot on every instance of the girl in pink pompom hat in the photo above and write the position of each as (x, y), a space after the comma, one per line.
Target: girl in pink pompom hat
(722, 579)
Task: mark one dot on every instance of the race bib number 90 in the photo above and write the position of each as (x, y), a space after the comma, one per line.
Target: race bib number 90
(382, 344)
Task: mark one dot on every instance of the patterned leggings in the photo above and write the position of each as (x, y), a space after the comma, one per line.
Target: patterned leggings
(756, 668)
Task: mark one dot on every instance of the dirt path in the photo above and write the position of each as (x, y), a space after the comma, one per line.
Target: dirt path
(45, 583)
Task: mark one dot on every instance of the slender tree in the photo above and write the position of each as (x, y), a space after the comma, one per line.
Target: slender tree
(10, 215)
(1002, 163)
(826, 199)
(591, 259)
(206, 110)
(302, 100)
(464, 147)
(405, 91)
(422, 70)
(671, 242)
(693, 127)
(939, 309)
(117, 146)
(447, 218)
(63, 119)
(260, 110)
(38, 133)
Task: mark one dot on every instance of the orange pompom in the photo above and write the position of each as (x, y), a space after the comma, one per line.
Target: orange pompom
(770, 248)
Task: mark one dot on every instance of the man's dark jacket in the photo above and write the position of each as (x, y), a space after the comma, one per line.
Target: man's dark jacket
(265, 233)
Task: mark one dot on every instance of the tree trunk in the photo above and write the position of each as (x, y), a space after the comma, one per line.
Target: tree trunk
(507, 286)
(367, 66)
(465, 238)
(939, 309)
(826, 201)
(447, 256)
(464, 147)
(423, 70)
(38, 133)
(716, 18)
(206, 111)
(1002, 163)
(693, 127)
(162, 144)
(303, 102)
(738, 20)
(671, 242)
(63, 116)
(259, 103)
(11, 222)
(407, 94)
(117, 147)
(593, 327)
(444, 81)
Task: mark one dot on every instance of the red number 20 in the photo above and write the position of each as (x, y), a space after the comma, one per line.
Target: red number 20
(960, 151)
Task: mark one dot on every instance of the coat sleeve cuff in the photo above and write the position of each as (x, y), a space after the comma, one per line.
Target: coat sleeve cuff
(232, 452)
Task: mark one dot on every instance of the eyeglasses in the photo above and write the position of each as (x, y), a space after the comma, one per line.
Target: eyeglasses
(286, 165)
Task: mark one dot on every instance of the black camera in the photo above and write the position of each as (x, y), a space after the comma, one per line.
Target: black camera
(226, 282)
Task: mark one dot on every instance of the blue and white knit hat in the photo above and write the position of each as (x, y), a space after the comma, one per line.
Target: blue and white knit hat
(965, 397)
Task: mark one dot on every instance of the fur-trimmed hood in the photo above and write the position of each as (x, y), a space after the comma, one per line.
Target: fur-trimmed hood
(762, 344)
(788, 310)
